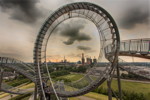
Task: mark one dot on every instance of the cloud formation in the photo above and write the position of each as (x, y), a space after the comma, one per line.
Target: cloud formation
(84, 48)
(76, 36)
(137, 13)
(73, 32)
(22, 10)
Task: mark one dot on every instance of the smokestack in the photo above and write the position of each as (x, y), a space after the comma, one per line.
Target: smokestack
(83, 60)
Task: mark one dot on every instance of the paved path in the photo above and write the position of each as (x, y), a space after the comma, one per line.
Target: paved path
(85, 98)
(8, 97)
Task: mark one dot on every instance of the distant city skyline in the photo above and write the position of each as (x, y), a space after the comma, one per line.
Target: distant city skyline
(69, 59)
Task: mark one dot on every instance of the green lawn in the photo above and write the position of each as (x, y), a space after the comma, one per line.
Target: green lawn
(18, 82)
(97, 96)
(130, 86)
(126, 85)
(72, 77)
(94, 96)
(74, 99)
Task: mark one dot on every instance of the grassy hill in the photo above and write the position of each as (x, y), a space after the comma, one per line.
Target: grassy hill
(128, 86)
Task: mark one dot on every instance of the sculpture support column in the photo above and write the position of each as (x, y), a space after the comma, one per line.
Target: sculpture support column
(109, 89)
(35, 92)
(119, 82)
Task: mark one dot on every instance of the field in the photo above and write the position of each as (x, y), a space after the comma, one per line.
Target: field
(71, 77)
(131, 86)
(128, 86)
(97, 96)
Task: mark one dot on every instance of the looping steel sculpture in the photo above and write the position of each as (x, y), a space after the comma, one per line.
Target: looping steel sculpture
(108, 33)
(110, 45)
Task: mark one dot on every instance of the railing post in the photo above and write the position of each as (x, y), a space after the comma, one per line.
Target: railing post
(129, 45)
(124, 46)
(137, 46)
(141, 46)
(6, 60)
(149, 47)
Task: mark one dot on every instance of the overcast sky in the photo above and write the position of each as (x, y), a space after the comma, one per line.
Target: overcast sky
(20, 21)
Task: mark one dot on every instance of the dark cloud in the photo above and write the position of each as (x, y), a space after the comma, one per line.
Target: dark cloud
(22, 10)
(84, 48)
(137, 13)
(72, 32)
(76, 37)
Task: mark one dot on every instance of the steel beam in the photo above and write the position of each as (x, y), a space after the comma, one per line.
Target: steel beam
(109, 89)
(119, 82)
(1, 77)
